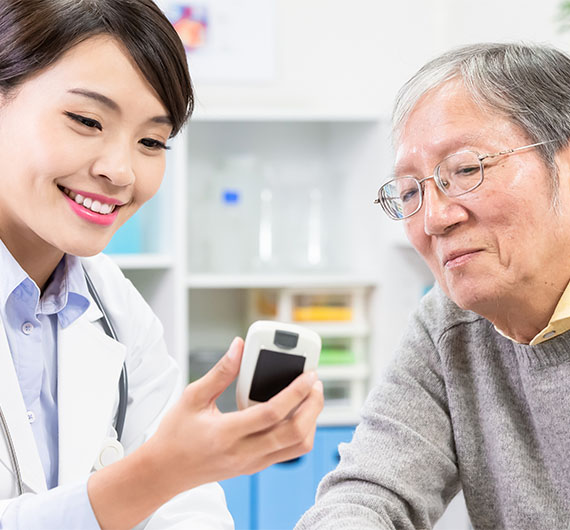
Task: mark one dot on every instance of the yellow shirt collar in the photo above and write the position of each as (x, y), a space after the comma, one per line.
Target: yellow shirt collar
(559, 321)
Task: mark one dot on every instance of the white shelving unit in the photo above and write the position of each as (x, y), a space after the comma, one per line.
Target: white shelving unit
(203, 310)
(220, 304)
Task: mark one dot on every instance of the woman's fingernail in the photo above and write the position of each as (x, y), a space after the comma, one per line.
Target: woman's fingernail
(232, 352)
(318, 386)
(313, 376)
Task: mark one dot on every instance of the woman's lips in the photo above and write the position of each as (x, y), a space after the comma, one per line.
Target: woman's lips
(94, 211)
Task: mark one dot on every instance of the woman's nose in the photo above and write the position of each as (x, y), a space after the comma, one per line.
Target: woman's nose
(116, 165)
(440, 211)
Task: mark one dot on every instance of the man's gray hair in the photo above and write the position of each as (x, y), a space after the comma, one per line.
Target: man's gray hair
(527, 84)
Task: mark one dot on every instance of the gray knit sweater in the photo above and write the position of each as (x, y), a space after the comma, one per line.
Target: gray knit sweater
(460, 407)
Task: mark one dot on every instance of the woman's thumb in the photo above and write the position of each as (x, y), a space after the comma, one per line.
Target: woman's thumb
(211, 385)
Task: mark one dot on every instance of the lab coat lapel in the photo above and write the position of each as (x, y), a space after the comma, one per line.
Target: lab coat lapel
(89, 367)
(15, 413)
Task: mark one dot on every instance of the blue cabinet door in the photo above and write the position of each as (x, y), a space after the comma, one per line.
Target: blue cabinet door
(284, 493)
(277, 497)
(238, 492)
(326, 452)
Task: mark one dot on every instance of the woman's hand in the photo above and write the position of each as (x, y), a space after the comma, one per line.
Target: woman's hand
(195, 444)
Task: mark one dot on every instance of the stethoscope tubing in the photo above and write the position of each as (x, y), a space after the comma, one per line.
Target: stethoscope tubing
(12, 451)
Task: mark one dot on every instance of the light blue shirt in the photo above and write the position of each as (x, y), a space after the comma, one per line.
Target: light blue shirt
(31, 321)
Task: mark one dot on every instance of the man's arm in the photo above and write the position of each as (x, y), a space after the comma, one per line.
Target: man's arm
(400, 469)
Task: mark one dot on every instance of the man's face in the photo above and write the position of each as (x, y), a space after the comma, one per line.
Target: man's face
(503, 242)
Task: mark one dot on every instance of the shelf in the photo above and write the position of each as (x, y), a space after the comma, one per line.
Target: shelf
(338, 416)
(142, 261)
(334, 330)
(343, 372)
(280, 115)
(277, 281)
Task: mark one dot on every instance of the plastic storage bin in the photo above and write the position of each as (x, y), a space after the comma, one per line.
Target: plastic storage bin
(128, 239)
(329, 307)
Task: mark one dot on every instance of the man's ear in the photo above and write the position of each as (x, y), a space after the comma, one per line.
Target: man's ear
(562, 160)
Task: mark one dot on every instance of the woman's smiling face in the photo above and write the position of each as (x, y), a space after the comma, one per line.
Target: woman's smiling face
(83, 147)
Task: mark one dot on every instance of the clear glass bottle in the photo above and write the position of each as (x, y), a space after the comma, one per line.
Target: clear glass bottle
(234, 215)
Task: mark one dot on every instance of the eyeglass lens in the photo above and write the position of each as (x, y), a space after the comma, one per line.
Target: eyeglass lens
(457, 174)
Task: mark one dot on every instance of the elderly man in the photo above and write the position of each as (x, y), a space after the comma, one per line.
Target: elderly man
(478, 397)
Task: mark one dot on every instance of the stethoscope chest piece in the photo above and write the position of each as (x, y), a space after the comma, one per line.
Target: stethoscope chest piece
(111, 451)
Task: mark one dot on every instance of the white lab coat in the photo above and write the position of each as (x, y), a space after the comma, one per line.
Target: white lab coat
(89, 367)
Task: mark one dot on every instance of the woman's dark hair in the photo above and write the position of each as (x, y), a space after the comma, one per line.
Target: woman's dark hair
(36, 33)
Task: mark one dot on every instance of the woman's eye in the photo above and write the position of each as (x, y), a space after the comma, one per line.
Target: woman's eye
(88, 122)
(151, 143)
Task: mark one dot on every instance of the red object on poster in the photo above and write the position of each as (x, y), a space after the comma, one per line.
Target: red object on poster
(191, 24)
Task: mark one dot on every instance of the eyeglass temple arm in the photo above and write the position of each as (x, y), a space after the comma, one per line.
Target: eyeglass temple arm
(509, 151)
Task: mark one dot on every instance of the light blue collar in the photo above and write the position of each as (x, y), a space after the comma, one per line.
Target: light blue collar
(66, 295)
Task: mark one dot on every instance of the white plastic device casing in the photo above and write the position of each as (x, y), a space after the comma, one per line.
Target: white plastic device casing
(260, 336)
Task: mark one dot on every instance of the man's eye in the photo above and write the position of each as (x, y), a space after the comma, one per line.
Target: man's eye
(151, 143)
(87, 122)
(408, 195)
(466, 171)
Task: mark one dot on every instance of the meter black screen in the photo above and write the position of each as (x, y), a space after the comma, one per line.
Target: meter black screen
(273, 372)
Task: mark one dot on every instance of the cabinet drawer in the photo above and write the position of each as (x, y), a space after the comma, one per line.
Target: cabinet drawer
(285, 492)
(238, 492)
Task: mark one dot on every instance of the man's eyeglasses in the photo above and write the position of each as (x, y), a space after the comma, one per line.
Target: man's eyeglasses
(455, 175)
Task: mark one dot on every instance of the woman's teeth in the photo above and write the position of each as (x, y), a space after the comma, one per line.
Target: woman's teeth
(94, 206)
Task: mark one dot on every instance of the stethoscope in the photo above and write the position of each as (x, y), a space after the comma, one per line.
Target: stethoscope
(112, 450)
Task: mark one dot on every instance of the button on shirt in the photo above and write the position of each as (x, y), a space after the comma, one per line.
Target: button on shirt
(31, 321)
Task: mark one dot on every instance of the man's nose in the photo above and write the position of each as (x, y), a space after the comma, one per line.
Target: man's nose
(440, 211)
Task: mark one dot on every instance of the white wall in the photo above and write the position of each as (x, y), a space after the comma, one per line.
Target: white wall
(354, 55)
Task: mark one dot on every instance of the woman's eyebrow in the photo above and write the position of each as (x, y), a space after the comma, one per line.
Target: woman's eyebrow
(108, 102)
(100, 98)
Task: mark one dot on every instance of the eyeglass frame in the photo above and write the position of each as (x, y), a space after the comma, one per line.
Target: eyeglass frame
(436, 177)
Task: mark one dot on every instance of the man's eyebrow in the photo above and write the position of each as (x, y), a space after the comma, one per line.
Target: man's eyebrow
(449, 147)
(108, 102)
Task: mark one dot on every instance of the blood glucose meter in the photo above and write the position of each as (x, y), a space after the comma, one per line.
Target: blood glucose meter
(275, 353)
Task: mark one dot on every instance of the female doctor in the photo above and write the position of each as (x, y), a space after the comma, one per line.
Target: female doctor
(91, 91)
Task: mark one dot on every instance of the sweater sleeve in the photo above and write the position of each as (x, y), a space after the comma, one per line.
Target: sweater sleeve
(400, 469)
